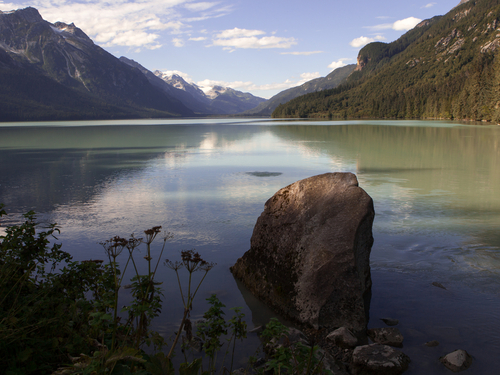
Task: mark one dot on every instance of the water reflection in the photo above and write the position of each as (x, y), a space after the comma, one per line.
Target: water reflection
(426, 181)
(436, 188)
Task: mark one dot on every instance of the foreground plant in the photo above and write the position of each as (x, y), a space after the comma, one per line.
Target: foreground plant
(44, 313)
(286, 357)
(192, 262)
(47, 317)
(213, 326)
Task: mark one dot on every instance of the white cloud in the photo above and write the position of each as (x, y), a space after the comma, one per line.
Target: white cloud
(400, 25)
(198, 39)
(338, 64)
(129, 38)
(199, 7)
(306, 77)
(125, 22)
(301, 53)
(243, 38)
(406, 24)
(178, 42)
(363, 40)
(429, 5)
(238, 33)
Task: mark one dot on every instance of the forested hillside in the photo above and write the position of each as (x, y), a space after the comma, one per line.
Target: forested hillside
(332, 80)
(446, 67)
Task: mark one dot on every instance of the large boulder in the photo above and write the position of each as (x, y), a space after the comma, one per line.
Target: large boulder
(310, 253)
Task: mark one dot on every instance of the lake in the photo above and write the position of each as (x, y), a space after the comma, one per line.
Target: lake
(435, 186)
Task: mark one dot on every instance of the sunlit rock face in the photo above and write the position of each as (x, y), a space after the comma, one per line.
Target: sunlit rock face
(310, 253)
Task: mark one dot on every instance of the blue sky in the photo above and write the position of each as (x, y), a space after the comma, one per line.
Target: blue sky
(257, 46)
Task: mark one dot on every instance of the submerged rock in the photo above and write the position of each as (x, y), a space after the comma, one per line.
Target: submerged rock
(456, 361)
(379, 359)
(310, 253)
(390, 321)
(386, 336)
(439, 285)
(432, 344)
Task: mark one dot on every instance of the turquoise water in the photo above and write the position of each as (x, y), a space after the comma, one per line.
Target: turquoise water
(435, 185)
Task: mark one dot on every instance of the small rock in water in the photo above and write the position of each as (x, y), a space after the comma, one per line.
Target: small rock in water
(379, 359)
(390, 321)
(439, 285)
(457, 361)
(386, 336)
(432, 343)
(264, 174)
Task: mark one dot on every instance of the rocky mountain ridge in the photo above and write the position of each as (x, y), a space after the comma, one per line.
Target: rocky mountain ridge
(219, 99)
(55, 71)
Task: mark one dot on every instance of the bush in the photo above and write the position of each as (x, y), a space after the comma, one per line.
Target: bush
(54, 311)
(44, 314)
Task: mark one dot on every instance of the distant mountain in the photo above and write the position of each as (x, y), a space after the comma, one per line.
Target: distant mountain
(54, 71)
(446, 67)
(217, 101)
(199, 104)
(331, 81)
(176, 81)
(220, 100)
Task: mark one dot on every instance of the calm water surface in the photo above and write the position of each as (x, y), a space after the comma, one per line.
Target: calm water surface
(435, 185)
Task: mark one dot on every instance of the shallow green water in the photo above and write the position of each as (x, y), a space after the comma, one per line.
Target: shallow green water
(435, 185)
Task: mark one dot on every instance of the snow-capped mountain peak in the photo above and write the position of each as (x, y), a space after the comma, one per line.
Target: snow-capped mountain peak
(219, 99)
(214, 91)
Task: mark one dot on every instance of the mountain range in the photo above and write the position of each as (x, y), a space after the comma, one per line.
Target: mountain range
(217, 101)
(446, 67)
(56, 72)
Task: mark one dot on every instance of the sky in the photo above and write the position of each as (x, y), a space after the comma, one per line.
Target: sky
(257, 46)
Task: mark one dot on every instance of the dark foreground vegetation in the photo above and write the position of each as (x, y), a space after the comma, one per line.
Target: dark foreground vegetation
(59, 316)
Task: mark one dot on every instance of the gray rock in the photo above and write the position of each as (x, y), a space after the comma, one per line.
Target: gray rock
(329, 363)
(390, 322)
(379, 359)
(310, 253)
(386, 336)
(456, 361)
(343, 338)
